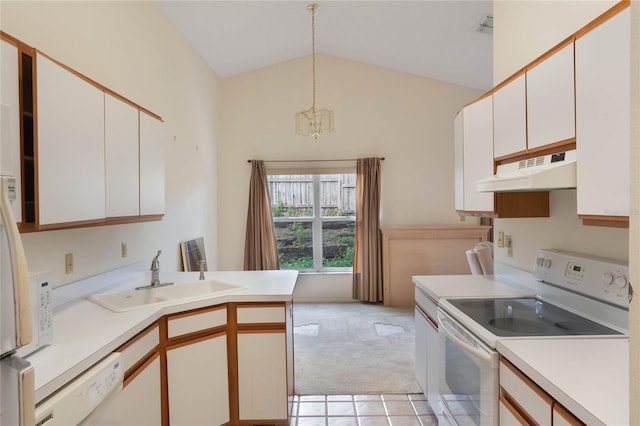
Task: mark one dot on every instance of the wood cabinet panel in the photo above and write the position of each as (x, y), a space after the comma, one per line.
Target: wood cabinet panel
(424, 251)
(121, 158)
(603, 118)
(71, 171)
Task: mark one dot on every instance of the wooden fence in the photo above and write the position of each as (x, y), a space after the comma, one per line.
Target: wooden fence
(336, 191)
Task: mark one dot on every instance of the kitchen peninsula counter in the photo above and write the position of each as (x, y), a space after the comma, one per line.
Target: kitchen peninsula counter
(85, 332)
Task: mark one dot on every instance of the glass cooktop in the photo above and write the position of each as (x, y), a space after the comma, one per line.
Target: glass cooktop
(528, 316)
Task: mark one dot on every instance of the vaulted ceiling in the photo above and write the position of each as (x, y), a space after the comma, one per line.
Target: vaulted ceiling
(433, 39)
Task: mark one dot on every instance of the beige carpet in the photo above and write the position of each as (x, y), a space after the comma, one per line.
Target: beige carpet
(353, 348)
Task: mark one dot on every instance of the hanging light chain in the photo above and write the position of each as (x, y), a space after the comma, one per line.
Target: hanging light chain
(313, 51)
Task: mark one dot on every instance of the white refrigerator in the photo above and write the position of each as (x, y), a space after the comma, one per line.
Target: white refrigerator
(17, 399)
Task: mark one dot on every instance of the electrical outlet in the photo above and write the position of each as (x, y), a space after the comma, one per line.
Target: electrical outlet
(123, 250)
(68, 263)
(500, 239)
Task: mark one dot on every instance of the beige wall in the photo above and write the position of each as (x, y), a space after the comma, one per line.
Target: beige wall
(523, 31)
(378, 112)
(133, 49)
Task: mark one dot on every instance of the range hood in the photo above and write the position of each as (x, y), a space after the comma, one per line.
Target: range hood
(552, 171)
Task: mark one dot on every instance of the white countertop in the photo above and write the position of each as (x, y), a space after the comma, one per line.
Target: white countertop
(85, 332)
(443, 286)
(589, 377)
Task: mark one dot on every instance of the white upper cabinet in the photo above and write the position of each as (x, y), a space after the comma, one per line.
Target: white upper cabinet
(151, 165)
(510, 118)
(121, 158)
(10, 120)
(551, 100)
(474, 155)
(71, 171)
(603, 118)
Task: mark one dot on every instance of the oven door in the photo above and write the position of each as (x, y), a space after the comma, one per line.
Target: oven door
(468, 384)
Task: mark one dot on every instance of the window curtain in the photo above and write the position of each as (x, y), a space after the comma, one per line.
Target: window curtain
(367, 262)
(260, 247)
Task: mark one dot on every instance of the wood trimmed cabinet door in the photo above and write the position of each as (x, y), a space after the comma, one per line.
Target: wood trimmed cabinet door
(603, 120)
(474, 156)
(197, 368)
(121, 158)
(71, 169)
(263, 370)
(551, 100)
(151, 165)
(510, 118)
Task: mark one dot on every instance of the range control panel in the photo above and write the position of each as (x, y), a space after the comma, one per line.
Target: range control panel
(595, 277)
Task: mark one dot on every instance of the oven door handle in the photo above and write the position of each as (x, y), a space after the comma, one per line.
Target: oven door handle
(465, 345)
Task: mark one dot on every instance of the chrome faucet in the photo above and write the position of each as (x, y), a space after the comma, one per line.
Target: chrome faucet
(155, 274)
(201, 263)
(155, 270)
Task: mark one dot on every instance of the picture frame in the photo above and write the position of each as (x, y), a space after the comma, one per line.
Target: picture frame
(192, 252)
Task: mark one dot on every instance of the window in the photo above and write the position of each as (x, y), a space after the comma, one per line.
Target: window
(314, 220)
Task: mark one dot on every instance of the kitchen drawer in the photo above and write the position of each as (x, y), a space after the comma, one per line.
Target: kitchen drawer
(509, 415)
(192, 322)
(138, 347)
(248, 314)
(525, 393)
(427, 305)
(562, 417)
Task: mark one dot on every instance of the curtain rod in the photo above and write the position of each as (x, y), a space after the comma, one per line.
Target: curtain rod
(310, 161)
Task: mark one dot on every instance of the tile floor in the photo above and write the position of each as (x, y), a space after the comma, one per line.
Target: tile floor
(362, 410)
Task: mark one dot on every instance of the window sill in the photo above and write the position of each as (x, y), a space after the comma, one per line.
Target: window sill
(326, 273)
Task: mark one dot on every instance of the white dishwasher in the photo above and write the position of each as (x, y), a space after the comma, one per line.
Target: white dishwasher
(74, 403)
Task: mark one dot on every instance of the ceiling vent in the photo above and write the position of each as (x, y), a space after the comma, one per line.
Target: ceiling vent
(486, 26)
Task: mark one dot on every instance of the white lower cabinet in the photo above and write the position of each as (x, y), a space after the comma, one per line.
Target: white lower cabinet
(263, 362)
(197, 367)
(262, 376)
(422, 328)
(141, 396)
(523, 402)
(139, 401)
(197, 381)
(201, 364)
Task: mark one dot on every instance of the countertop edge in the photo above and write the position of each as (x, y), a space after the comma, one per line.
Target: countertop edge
(141, 319)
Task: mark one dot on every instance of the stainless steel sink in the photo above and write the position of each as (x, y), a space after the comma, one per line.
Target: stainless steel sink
(135, 299)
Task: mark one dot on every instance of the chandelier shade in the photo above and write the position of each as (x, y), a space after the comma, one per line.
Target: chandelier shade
(314, 122)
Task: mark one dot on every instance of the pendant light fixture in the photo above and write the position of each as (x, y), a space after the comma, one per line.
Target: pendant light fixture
(314, 122)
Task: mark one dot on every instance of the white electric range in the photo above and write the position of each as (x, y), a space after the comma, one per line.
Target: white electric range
(578, 296)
